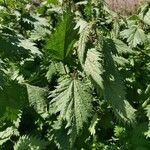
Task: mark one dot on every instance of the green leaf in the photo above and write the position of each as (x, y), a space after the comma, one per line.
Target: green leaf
(30, 142)
(6, 134)
(12, 115)
(121, 47)
(134, 35)
(37, 98)
(72, 99)
(16, 48)
(148, 111)
(28, 45)
(90, 59)
(148, 115)
(54, 69)
(94, 122)
(9, 48)
(93, 66)
(138, 139)
(85, 30)
(39, 33)
(17, 96)
(146, 18)
(145, 14)
(62, 40)
(118, 49)
(53, 2)
(114, 90)
(13, 95)
(60, 136)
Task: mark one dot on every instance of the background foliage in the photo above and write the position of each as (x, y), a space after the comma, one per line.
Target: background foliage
(74, 75)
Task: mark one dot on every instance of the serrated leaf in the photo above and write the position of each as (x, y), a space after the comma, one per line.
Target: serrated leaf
(90, 59)
(72, 99)
(62, 40)
(16, 48)
(94, 122)
(93, 66)
(85, 31)
(60, 136)
(37, 98)
(13, 115)
(145, 14)
(55, 68)
(27, 44)
(6, 134)
(118, 48)
(134, 35)
(39, 33)
(148, 111)
(9, 48)
(147, 133)
(146, 18)
(13, 95)
(121, 47)
(114, 90)
(30, 142)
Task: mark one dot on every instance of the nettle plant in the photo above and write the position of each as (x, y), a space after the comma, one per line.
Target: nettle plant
(74, 75)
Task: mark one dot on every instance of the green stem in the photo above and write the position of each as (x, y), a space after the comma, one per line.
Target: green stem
(65, 69)
(146, 103)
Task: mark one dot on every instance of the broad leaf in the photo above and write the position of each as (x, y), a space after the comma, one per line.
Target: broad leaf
(17, 96)
(16, 48)
(72, 99)
(39, 33)
(30, 142)
(90, 59)
(145, 14)
(53, 2)
(134, 35)
(28, 45)
(121, 47)
(54, 69)
(62, 40)
(114, 90)
(7, 133)
(13, 95)
(146, 18)
(118, 48)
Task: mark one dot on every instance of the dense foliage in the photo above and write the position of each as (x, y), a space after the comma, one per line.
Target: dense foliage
(74, 75)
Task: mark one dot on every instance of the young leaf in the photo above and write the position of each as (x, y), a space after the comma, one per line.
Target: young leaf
(62, 40)
(134, 35)
(93, 66)
(90, 59)
(85, 30)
